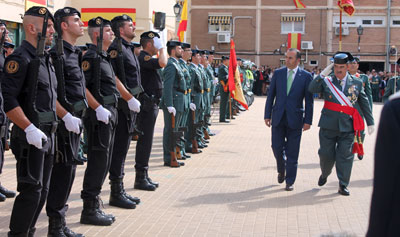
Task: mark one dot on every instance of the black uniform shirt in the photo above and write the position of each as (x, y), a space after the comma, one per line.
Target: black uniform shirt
(17, 76)
(107, 81)
(2, 114)
(2, 59)
(151, 80)
(131, 63)
(73, 74)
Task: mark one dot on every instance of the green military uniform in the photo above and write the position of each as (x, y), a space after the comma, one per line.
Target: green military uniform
(188, 100)
(389, 89)
(375, 82)
(174, 95)
(207, 81)
(210, 71)
(223, 79)
(336, 134)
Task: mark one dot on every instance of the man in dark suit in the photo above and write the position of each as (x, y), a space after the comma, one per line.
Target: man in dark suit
(284, 110)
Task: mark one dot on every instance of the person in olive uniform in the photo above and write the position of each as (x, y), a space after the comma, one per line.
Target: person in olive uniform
(353, 68)
(223, 75)
(69, 129)
(384, 215)
(340, 120)
(375, 82)
(150, 98)
(392, 86)
(100, 121)
(214, 80)
(173, 101)
(32, 136)
(207, 82)
(4, 193)
(127, 70)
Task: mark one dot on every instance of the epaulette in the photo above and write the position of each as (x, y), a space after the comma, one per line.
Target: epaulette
(395, 96)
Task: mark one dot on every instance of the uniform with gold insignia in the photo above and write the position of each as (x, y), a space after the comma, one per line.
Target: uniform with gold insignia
(375, 82)
(223, 91)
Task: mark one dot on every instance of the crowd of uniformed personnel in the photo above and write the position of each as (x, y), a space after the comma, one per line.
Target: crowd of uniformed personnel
(55, 94)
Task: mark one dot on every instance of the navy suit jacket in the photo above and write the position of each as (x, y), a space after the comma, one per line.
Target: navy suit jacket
(278, 102)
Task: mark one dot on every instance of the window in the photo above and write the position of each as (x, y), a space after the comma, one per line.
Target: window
(395, 21)
(292, 24)
(365, 21)
(219, 23)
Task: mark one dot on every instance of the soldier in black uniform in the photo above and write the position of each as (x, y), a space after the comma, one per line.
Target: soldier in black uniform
(100, 120)
(150, 99)
(70, 108)
(29, 89)
(127, 70)
(4, 193)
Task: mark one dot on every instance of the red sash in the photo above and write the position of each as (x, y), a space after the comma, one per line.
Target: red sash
(358, 123)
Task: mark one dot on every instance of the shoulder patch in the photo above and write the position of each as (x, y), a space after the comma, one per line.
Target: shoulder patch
(113, 53)
(85, 65)
(12, 67)
(147, 58)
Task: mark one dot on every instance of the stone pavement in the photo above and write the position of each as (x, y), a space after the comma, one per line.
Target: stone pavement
(230, 189)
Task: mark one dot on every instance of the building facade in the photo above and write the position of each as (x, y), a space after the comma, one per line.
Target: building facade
(260, 30)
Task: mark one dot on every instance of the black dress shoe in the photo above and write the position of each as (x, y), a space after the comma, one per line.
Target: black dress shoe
(179, 163)
(289, 187)
(2, 198)
(343, 190)
(211, 134)
(224, 121)
(6, 192)
(360, 157)
(187, 156)
(281, 177)
(322, 181)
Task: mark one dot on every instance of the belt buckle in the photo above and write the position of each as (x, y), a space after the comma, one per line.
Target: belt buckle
(202, 91)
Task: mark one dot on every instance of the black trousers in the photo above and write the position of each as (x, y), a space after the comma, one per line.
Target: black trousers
(146, 121)
(33, 176)
(122, 141)
(63, 174)
(100, 147)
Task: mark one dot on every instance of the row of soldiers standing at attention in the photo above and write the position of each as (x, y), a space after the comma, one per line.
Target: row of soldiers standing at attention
(51, 96)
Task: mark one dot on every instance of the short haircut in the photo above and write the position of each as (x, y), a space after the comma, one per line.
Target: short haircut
(144, 42)
(298, 54)
(115, 26)
(170, 48)
(91, 31)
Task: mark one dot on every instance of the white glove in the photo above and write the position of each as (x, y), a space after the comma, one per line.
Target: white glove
(215, 81)
(371, 129)
(171, 110)
(134, 105)
(103, 114)
(73, 124)
(35, 136)
(327, 70)
(227, 76)
(192, 106)
(158, 43)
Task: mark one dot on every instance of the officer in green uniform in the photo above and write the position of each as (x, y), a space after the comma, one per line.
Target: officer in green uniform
(375, 82)
(215, 80)
(173, 102)
(345, 100)
(390, 88)
(206, 95)
(353, 67)
(189, 105)
(223, 75)
(212, 81)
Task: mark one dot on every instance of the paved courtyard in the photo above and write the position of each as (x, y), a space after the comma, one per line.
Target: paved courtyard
(230, 189)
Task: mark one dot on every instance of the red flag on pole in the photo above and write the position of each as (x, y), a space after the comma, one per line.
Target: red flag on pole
(294, 40)
(235, 86)
(299, 4)
(347, 6)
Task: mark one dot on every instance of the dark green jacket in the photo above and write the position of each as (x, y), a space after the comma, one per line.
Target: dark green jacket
(186, 73)
(174, 86)
(197, 86)
(389, 89)
(223, 75)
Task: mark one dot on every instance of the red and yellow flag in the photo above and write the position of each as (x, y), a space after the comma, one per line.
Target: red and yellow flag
(31, 3)
(235, 86)
(347, 6)
(107, 13)
(294, 40)
(299, 4)
(183, 23)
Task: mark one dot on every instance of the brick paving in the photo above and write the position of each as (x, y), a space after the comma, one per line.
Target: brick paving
(230, 189)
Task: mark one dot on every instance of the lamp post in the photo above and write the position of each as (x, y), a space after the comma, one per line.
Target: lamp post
(177, 12)
(360, 30)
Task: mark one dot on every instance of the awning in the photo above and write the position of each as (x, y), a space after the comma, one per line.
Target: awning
(292, 18)
(217, 20)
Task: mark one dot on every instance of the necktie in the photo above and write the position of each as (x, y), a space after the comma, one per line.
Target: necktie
(289, 81)
(341, 84)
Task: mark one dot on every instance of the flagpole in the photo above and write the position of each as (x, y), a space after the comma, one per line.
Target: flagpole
(230, 107)
(340, 30)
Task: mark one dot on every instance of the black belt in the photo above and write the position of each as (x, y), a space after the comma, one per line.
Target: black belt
(47, 117)
(110, 100)
(182, 91)
(79, 106)
(49, 127)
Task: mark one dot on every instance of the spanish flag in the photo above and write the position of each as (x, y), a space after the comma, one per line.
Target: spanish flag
(106, 13)
(294, 40)
(31, 3)
(347, 6)
(183, 23)
(299, 4)
(235, 86)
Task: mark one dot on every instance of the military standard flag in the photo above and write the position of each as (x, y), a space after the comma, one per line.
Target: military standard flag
(235, 86)
(31, 3)
(294, 40)
(183, 23)
(299, 4)
(106, 13)
(347, 6)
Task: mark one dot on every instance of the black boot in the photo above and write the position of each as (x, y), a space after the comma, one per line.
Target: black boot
(117, 197)
(151, 181)
(133, 199)
(6, 192)
(55, 227)
(2, 197)
(142, 183)
(68, 232)
(12, 234)
(92, 215)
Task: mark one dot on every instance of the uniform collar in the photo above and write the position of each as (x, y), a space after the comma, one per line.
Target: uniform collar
(94, 47)
(182, 60)
(194, 65)
(173, 59)
(70, 47)
(31, 50)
